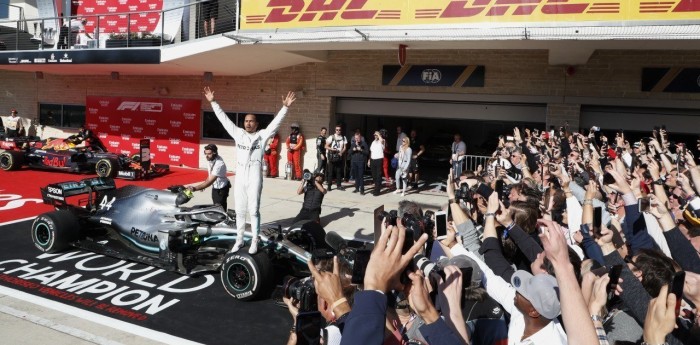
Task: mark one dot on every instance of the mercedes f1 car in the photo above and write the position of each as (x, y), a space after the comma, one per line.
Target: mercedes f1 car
(153, 227)
(62, 154)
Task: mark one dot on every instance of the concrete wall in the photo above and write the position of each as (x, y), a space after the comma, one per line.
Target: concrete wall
(608, 77)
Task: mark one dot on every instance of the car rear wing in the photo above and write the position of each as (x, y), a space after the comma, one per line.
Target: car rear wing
(56, 193)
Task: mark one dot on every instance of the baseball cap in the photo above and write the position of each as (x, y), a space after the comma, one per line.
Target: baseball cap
(294, 125)
(637, 144)
(541, 290)
(463, 261)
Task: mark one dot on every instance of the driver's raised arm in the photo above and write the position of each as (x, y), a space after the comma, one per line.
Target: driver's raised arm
(286, 103)
(229, 125)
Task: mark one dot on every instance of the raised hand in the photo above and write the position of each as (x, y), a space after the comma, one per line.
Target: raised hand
(287, 101)
(209, 94)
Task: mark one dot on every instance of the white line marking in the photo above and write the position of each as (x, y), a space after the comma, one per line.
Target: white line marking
(57, 326)
(97, 318)
(17, 221)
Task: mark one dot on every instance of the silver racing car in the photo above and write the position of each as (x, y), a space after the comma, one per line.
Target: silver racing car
(153, 227)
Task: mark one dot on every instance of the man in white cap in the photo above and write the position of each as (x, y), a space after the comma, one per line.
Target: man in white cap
(531, 301)
(250, 145)
(534, 318)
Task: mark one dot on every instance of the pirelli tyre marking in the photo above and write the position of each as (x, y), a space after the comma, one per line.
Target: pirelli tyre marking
(247, 277)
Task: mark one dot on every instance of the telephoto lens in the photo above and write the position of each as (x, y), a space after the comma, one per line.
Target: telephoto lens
(429, 269)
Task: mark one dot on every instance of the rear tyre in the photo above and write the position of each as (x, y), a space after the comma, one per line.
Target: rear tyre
(54, 231)
(106, 168)
(247, 277)
(11, 160)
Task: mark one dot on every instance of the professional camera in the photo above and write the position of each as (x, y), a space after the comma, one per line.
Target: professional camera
(307, 175)
(303, 291)
(413, 225)
(514, 173)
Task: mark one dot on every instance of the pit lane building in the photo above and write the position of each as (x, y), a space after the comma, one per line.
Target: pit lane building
(474, 66)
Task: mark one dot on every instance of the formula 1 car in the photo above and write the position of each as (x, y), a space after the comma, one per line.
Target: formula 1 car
(62, 154)
(152, 227)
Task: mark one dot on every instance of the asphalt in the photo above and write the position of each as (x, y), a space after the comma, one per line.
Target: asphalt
(349, 214)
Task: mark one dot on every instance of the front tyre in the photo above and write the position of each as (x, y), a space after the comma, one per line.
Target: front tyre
(246, 277)
(105, 168)
(54, 231)
(11, 160)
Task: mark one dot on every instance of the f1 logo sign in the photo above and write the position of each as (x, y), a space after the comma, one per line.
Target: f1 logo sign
(150, 107)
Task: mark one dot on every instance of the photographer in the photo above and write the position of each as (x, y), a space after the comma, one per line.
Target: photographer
(334, 296)
(312, 188)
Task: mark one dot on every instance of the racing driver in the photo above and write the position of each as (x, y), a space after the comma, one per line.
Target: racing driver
(249, 155)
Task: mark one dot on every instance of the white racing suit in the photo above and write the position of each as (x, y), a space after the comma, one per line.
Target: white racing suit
(249, 156)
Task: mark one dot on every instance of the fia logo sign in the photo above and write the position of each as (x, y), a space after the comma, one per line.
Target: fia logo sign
(431, 76)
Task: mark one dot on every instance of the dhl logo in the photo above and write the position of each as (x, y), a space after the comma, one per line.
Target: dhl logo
(308, 13)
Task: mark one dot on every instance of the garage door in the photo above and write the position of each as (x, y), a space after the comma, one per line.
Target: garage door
(443, 110)
(641, 119)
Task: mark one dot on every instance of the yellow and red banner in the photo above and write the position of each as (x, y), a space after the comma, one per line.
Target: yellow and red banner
(272, 14)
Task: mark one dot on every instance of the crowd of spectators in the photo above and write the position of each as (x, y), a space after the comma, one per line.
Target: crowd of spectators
(560, 238)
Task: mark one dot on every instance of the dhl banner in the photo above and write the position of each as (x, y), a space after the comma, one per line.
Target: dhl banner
(172, 125)
(272, 14)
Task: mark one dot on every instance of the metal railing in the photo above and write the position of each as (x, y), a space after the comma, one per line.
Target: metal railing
(472, 162)
(177, 24)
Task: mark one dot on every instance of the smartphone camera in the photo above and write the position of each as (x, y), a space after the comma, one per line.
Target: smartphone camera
(441, 225)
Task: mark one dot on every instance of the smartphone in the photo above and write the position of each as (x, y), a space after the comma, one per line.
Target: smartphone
(499, 189)
(308, 327)
(597, 221)
(378, 222)
(449, 212)
(509, 138)
(466, 276)
(408, 241)
(677, 289)
(484, 190)
(360, 266)
(614, 274)
(643, 205)
(608, 179)
(441, 225)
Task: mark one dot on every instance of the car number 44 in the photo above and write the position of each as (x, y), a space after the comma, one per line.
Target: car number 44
(106, 203)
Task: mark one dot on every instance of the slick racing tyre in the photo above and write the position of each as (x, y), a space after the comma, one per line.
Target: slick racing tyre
(11, 160)
(247, 277)
(106, 168)
(54, 231)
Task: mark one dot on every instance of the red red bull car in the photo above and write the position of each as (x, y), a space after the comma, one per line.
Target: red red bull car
(63, 155)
